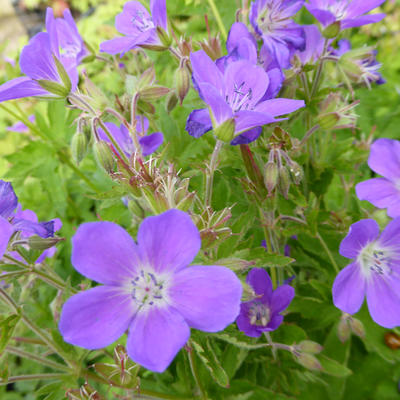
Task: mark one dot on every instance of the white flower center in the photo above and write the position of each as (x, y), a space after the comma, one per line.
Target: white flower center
(240, 100)
(269, 19)
(259, 314)
(142, 21)
(375, 259)
(339, 9)
(148, 289)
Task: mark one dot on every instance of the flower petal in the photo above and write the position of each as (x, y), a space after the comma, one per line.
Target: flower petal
(156, 336)
(281, 298)
(21, 87)
(6, 230)
(36, 59)
(383, 300)
(324, 16)
(104, 252)
(96, 317)
(205, 71)
(8, 199)
(348, 289)
(275, 322)
(384, 158)
(365, 20)
(260, 281)
(360, 234)
(390, 237)
(150, 143)
(169, 241)
(281, 106)
(198, 123)
(208, 297)
(119, 45)
(359, 7)
(247, 137)
(382, 193)
(159, 13)
(246, 120)
(220, 109)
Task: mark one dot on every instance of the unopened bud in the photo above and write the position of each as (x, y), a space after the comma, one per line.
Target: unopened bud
(328, 121)
(296, 172)
(104, 156)
(147, 78)
(79, 146)
(284, 181)
(308, 346)
(357, 327)
(271, 175)
(182, 81)
(332, 30)
(343, 330)
(153, 93)
(38, 243)
(171, 101)
(308, 361)
(225, 131)
(165, 39)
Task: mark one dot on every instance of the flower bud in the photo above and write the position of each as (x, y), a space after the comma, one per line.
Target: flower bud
(165, 39)
(225, 131)
(296, 172)
(38, 243)
(271, 175)
(308, 346)
(182, 81)
(104, 156)
(332, 30)
(308, 361)
(357, 327)
(171, 101)
(284, 181)
(328, 121)
(79, 146)
(343, 330)
(153, 93)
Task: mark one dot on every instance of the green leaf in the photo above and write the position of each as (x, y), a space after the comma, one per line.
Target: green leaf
(332, 367)
(7, 327)
(207, 355)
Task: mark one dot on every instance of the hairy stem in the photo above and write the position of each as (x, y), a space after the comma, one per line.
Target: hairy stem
(210, 172)
(218, 18)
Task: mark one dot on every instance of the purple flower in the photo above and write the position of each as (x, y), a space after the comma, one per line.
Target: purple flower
(43, 58)
(384, 159)
(72, 47)
(271, 19)
(350, 13)
(12, 219)
(241, 45)
(148, 143)
(20, 127)
(138, 26)
(363, 61)
(314, 45)
(263, 313)
(374, 272)
(148, 288)
(235, 95)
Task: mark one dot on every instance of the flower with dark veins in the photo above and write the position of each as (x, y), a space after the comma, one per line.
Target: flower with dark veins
(148, 288)
(374, 272)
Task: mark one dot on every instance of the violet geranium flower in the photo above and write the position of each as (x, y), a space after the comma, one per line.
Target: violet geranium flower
(350, 13)
(314, 45)
(263, 313)
(20, 127)
(148, 288)
(148, 143)
(138, 26)
(374, 273)
(49, 62)
(235, 97)
(384, 159)
(271, 19)
(13, 219)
